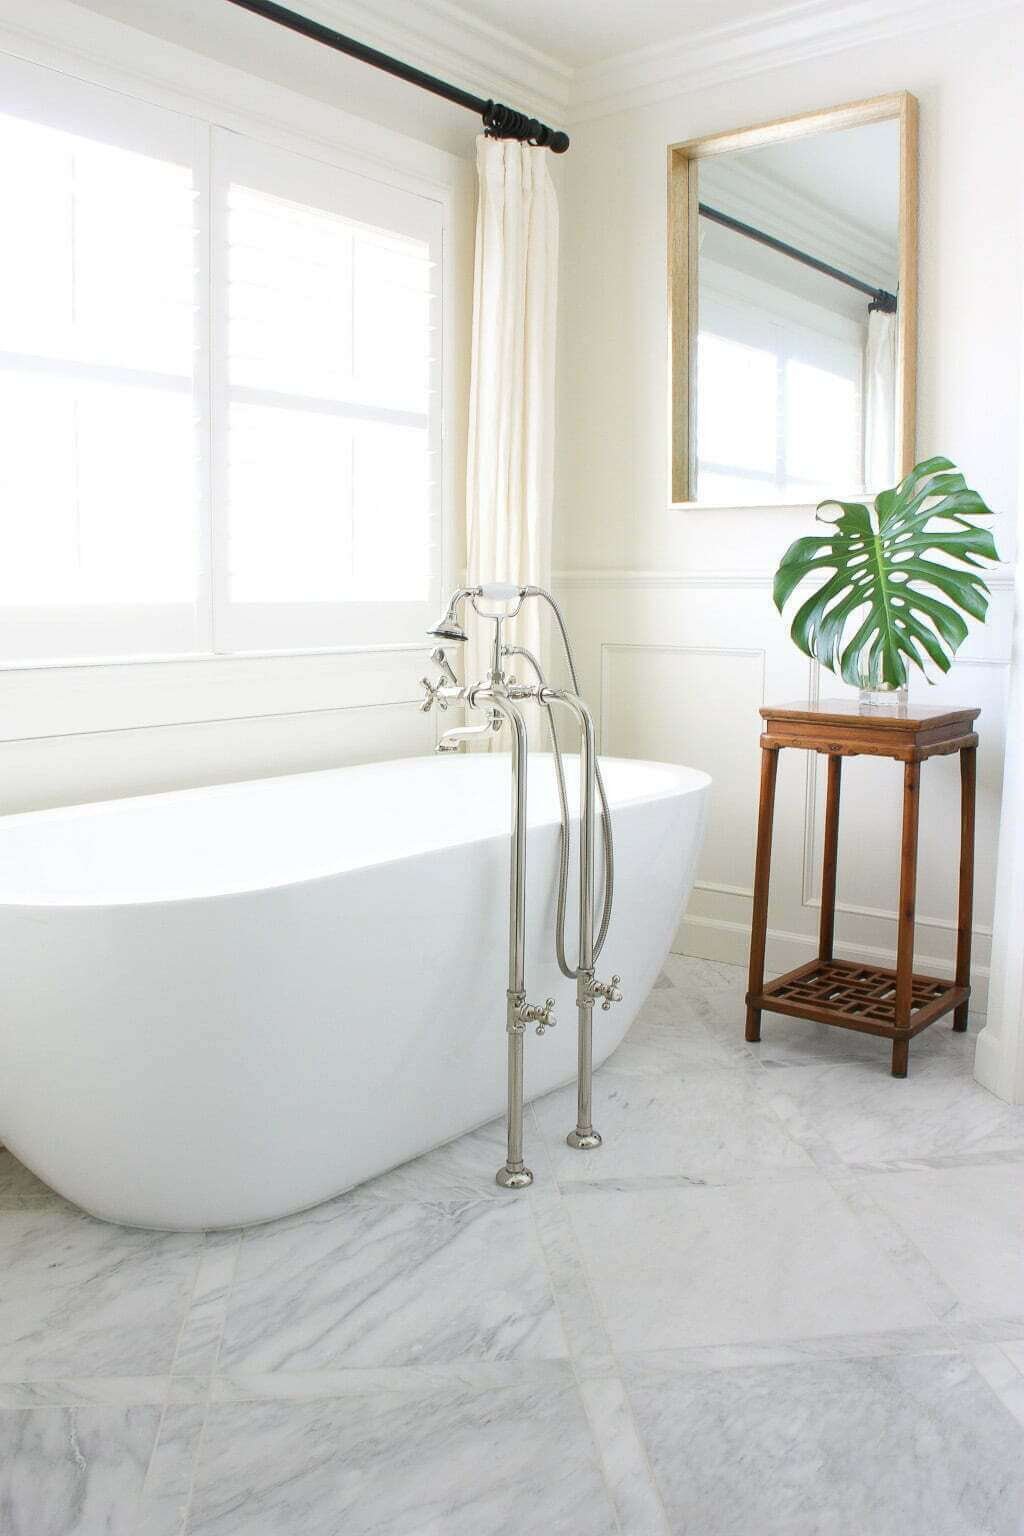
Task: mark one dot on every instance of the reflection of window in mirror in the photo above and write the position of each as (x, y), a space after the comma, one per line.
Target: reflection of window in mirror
(794, 387)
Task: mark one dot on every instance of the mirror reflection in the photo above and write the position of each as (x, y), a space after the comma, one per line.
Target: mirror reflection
(796, 374)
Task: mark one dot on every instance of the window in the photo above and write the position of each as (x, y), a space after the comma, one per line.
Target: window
(219, 387)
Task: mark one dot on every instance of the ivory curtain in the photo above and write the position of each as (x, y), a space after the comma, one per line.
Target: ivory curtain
(512, 382)
(880, 401)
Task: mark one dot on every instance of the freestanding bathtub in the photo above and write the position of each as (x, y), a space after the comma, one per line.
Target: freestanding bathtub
(221, 1005)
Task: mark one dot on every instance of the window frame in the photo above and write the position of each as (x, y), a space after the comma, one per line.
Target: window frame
(92, 635)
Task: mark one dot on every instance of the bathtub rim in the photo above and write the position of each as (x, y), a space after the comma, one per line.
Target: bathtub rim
(700, 783)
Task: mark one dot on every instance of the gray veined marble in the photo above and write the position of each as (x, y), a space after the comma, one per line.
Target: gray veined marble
(463, 1169)
(370, 1282)
(74, 1471)
(969, 1225)
(497, 1463)
(892, 1447)
(673, 1268)
(713, 1124)
(664, 1039)
(785, 1298)
(81, 1297)
(867, 1118)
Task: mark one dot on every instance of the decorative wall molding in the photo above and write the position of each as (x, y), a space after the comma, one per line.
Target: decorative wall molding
(790, 35)
(1000, 579)
(451, 41)
(459, 46)
(655, 581)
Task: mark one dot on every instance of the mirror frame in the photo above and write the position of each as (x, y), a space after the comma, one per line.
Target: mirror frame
(683, 247)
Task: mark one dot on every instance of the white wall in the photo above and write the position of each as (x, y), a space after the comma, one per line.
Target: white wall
(93, 732)
(672, 607)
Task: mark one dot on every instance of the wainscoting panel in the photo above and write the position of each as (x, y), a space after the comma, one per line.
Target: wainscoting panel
(107, 765)
(655, 703)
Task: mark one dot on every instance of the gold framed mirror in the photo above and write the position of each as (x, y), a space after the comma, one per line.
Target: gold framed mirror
(793, 307)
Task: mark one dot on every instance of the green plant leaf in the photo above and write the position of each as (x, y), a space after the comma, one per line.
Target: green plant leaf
(895, 582)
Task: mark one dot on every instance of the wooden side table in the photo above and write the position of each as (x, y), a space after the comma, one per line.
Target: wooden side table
(894, 1004)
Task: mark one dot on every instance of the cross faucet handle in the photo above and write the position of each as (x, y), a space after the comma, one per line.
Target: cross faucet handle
(434, 694)
(609, 990)
(544, 1018)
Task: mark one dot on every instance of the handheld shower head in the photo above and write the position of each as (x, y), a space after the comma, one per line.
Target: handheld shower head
(448, 627)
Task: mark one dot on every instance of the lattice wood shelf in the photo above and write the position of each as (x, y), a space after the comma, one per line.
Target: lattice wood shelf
(858, 996)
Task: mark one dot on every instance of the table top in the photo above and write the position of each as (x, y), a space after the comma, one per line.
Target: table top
(845, 728)
(917, 717)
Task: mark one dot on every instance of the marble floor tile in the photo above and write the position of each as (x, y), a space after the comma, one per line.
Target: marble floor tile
(168, 1486)
(464, 1169)
(74, 1471)
(199, 1340)
(716, 1125)
(969, 1225)
(762, 1262)
(867, 1118)
(82, 1297)
(1014, 1350)
(704, 978)
(623, 1458)
(499, 1463)
(664, 1040)
(20, 1189)
(372, 1282)
(893, 1447)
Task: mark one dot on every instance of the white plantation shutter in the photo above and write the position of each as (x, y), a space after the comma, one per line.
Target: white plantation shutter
(326, 401)
(98, 439)
(219, 387)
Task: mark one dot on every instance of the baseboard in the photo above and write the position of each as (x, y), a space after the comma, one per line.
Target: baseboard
(710, 938)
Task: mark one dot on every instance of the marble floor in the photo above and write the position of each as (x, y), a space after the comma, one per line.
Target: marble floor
(785, 1299)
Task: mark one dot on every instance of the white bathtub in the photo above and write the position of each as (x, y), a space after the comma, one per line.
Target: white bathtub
(221, 1005)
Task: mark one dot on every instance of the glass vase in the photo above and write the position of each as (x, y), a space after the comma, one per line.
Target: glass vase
(884, 699)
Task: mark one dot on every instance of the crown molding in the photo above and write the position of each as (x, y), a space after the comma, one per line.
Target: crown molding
(441, 37)
(789, 35)
(447, 39)
(490, 61)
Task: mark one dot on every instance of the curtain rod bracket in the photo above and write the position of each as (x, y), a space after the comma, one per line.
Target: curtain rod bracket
(499, 122)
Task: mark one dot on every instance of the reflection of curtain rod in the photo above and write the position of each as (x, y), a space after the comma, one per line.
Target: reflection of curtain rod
(499, 122)
(880, 298)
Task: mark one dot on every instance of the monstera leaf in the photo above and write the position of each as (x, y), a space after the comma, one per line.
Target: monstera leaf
(898, 585)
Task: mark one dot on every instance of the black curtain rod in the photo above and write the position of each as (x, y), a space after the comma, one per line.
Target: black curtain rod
(499, 122)
(880, 298)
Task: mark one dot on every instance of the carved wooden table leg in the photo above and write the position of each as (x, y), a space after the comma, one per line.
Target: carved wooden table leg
(905, 935)
(965, 904)
(830, 860)
(762, 873)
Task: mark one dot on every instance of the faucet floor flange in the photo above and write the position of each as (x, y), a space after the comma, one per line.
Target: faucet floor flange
(584, 1141)
(509, 1180)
